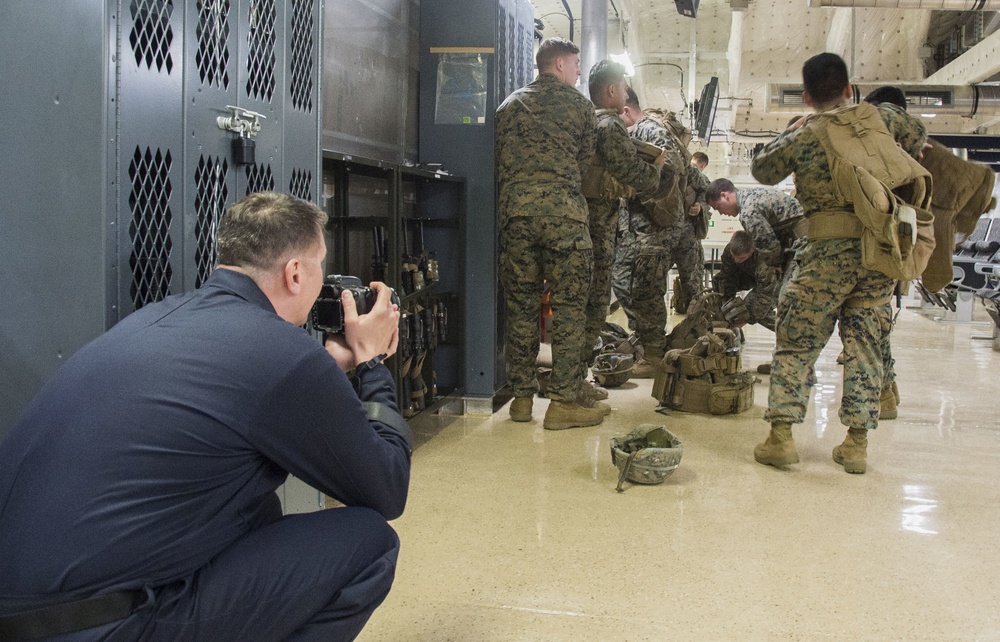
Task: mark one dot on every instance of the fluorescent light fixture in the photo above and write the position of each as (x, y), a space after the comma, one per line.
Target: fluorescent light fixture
(928, 115)
(624, 60)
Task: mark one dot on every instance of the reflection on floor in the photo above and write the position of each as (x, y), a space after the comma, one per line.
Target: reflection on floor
(516, 533)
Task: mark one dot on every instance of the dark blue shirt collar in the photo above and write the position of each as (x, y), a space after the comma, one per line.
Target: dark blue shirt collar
(239, 284)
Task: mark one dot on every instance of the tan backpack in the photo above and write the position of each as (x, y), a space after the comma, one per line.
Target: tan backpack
(890, 191)
(665, 206)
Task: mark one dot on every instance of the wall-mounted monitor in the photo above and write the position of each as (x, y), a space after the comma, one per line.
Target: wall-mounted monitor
(705, 116)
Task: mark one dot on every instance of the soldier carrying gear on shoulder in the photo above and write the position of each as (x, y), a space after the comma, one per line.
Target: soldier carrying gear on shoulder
(640, 272)
(830, 284)
(614, 172)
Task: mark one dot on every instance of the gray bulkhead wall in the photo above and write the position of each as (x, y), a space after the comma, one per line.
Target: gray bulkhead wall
(53, 268)
(370, 78)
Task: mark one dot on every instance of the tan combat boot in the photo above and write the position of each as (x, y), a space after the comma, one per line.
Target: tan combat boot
(895, 392)
(648, 366)
(887, 402)
(520, 409)
(778, 449)
(591, 390)
(587, 402)
(562, 415)
(853, 453)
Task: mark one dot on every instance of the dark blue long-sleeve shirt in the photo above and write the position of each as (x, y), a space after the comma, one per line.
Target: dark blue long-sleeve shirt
(160, 443)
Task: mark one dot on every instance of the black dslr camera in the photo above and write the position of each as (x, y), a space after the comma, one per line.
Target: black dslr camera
(328, 311)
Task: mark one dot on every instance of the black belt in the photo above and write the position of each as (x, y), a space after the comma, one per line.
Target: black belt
(60, 619)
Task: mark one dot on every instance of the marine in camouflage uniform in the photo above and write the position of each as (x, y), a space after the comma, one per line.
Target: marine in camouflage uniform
(617, 156)
(768, 215)
(545, 132)
(752, 274)
(642, 265)
(828, 285)
(626, 253)
(688, 254)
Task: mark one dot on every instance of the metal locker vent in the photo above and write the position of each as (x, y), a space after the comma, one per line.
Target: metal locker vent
(149, 231)
(503, 64)
(212, 57)
(261, 58)
(151, 34)
(301, 184)
(525, 52)
(209, 204)
(302, 60)
(259, 179)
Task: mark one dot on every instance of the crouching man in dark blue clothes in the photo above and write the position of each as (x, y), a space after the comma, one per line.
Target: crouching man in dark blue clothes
(137, 491)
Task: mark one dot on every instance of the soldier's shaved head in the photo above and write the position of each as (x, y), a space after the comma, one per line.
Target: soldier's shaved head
(632, 100)
(825, 78)
(741, 245)
(605, 73)
(552, 48)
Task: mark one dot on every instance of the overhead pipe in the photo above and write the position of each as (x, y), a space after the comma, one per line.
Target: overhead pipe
(965, 100)
(594, 48)
(936, 5)
(569, 14)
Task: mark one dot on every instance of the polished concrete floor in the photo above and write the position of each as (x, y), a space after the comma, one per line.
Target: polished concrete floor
(516, 533)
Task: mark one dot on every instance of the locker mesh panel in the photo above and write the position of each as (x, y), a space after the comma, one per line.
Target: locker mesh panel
(301, 59)
(261, 58)
(503, 69)
(301, 184)
(151, 34)
(149, 230)
(209, 204)
(212, 57)
(259, 179)
(525, 53)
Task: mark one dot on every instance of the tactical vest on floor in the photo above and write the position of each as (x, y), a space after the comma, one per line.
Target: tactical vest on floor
(707, 377)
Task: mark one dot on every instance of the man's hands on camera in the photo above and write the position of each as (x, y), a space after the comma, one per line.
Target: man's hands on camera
(368, 335)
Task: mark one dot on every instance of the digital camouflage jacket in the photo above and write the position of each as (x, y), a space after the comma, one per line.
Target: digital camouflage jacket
(545, 133)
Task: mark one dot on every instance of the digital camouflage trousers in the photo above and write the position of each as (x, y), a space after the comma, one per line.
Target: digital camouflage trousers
(603, 231)
(829, 286)
(534, 249)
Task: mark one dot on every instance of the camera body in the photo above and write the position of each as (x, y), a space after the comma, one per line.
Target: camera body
(328, 311)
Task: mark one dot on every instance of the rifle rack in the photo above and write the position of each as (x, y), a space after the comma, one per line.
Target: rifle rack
(405, 226)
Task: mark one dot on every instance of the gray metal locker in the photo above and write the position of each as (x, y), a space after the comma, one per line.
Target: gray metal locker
(117, 171)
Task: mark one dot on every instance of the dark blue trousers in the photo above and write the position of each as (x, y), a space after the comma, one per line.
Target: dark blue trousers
(315, 576)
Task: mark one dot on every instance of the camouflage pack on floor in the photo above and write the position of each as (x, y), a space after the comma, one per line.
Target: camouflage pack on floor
(707, 377)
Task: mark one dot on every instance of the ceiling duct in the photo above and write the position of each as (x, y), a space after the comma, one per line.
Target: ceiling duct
(937, 5)
(964, 100)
